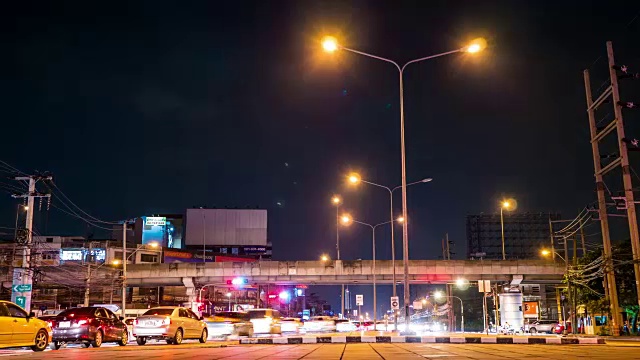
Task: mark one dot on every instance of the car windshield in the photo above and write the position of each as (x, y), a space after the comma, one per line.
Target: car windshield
(257, 314)
(75, 312)
(161, 312)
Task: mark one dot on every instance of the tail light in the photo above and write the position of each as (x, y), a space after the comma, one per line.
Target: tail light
(136, 322)
(166, 321)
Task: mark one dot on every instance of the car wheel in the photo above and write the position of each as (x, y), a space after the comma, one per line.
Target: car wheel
(177, 338)
(97, 340)
(41, 341)
(204, 336)
(55, 345)
(141, 340)
(533, 331)
(125, 338)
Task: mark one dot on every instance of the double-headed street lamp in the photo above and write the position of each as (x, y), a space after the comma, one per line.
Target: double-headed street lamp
(355, 179)
(347, 220)
(336, 200)
(439, 295)
(330, 44)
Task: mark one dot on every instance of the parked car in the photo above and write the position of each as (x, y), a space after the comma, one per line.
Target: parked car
(129, 322)
(320, 324)
(227, 323)
(91, 326)
(541, 326)
(559, 328)
(18, 328)
(290, 325)
(169, 323)
(265, 321)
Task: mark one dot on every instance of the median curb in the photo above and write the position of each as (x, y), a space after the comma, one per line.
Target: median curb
(284, 340)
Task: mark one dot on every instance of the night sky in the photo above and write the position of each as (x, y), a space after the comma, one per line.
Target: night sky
(155, 106)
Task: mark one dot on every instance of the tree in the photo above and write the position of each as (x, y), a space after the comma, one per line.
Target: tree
(590, 288)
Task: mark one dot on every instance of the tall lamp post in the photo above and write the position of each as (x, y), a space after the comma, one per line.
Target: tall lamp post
(347, 220)
(355, 179)
(504, 205)
(330, 44)
(336, 200)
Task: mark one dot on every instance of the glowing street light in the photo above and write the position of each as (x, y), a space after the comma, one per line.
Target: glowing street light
(330, 44)
(336, 200)
(153, 244)
(460, 282)
(476, 46)
(116, 262)
(354, 178)
(346, 219)
(324, 257)
(545, 252)
(438, 295)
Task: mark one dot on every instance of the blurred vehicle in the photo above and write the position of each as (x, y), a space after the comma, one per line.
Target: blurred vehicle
(265, 321)
(129, 322)
(419, 327)
(541, 326)
(17, 328)
(382, 325)
(345, 325)
(560, 327)
(290, 325)
(90, 326)
(320, 324)
(227, 323)
(169, 323)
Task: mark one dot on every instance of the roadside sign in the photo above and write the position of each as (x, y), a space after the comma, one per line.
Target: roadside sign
(21, 288)
(395, 303)
(21, 301)
(484, 286)
(417, 305)
(359, 300)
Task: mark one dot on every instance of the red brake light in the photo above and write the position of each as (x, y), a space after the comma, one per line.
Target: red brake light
(136, 321)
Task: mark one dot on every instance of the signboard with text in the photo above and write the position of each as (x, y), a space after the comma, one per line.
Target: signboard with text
(530, 309)
(359, 300)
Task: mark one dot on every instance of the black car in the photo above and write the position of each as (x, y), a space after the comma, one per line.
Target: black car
(90, 326)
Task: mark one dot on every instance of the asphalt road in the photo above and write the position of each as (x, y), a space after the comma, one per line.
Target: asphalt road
(213, 350)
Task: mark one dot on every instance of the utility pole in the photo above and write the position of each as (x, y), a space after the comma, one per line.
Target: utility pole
(449, 291)
(124, 267)
(23, 276)
(87, 290)
(623, 160)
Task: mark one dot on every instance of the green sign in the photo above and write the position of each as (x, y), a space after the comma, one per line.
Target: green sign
(21, 301)
(21, 288)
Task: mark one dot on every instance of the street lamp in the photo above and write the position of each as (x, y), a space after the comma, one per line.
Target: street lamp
(331, 44)
(505, 205)
(347, 220)
(324, 258)
(439, 295)
(336, 200)
(355, 179)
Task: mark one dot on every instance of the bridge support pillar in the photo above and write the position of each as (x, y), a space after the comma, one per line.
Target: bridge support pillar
(191, 292)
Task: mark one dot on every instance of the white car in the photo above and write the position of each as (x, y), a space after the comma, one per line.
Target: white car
(344, 325)
(169, 323)
(290, 325)
(320, 324)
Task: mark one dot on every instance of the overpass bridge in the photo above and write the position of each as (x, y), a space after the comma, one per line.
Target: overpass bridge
(194, 275)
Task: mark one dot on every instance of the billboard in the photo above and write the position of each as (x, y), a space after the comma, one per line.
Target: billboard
(173, 256)
(530, 309)
(166, 231)
(244, 227)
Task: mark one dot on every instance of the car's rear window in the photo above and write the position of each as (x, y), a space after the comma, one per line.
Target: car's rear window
(161, 312)
(71, 313)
